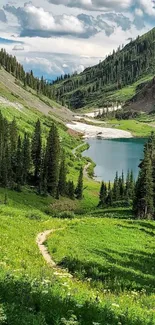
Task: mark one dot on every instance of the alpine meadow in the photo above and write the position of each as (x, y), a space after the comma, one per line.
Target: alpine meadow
(77, 163)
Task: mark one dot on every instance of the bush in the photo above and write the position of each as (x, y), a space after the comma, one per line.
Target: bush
(64, 215)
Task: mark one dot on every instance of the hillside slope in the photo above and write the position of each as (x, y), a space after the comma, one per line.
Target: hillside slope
(144, 100)
(97, 85)
(30, 98)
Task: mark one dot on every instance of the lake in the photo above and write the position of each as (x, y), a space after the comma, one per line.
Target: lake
(115, 155)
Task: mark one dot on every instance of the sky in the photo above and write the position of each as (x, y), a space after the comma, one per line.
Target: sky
(54, 37)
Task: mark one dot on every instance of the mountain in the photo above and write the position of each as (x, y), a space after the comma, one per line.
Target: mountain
(114, 79)
(12, 90)
(144, 100)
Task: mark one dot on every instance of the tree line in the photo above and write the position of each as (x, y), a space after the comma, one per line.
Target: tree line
(121, 68)
(11, 65)
(122, 114)
(28, 161)
(141, 194)
(120, 192)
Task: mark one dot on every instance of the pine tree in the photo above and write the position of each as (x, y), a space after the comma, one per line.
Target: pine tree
(36, 151)
(43, 177)
(122, 186)
(26, 156)
(19, 165)
(71, 190)
(109, 199)
(116, 189)
(13, 136)
(143, 201)
(127, 187)
(52, 160)
(5, 167)
(62, 176)
(131, 186)
(79, 189)
(103, 194)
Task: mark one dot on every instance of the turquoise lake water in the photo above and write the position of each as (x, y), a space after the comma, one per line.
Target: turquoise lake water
(115, 155)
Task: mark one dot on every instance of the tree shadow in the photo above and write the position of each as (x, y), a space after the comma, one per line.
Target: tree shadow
(27, 302)
(113, 213)
(129, 271)
(147, 232)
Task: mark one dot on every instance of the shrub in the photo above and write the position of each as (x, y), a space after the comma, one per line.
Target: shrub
(64, 215)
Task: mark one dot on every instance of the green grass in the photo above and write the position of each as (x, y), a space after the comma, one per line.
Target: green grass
(128, 92)
(112, 259)
(138, 129)
(105, 251)
(32, 293)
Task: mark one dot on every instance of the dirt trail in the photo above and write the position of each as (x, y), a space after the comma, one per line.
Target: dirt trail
(85, 171)
(40, 240)
(78, 147)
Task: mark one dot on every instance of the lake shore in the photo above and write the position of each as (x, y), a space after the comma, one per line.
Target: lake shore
(92, 131)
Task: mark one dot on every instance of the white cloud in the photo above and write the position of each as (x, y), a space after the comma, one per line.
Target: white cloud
(65, 66)
(3, 18)
(79, 68)
(36, 21)
(18, 48)
(94, 4)
(139, 12)
(43, 64)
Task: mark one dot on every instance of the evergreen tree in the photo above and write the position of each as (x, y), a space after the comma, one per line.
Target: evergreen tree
(103, 194)
(71, 190)
(109, 199)
(79, 189)
(13, 136)
(43, 176)
(19, 165)
(122, 186)
(52, 160)
(26, 156)
(62, 176)
(143, 201)
(131, 186)
(116, 189)
(36, 151)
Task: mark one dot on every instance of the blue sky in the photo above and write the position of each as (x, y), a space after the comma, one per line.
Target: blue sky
(54, 37)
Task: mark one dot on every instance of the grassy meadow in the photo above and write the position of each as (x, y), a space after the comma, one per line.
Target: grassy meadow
(113, 272)
(109, 254)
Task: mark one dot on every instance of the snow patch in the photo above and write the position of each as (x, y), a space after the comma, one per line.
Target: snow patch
(92, 131)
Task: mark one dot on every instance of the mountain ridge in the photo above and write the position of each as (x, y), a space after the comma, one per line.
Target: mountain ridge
(96, 86)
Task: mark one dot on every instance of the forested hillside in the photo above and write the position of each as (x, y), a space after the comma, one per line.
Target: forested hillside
(97, 85)
(100, 85)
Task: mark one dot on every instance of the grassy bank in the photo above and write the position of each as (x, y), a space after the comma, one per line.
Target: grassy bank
(137, 128)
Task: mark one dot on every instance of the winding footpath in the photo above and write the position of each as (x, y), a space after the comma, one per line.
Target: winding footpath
(40, 241)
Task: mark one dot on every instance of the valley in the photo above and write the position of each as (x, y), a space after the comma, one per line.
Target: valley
(77, 249)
